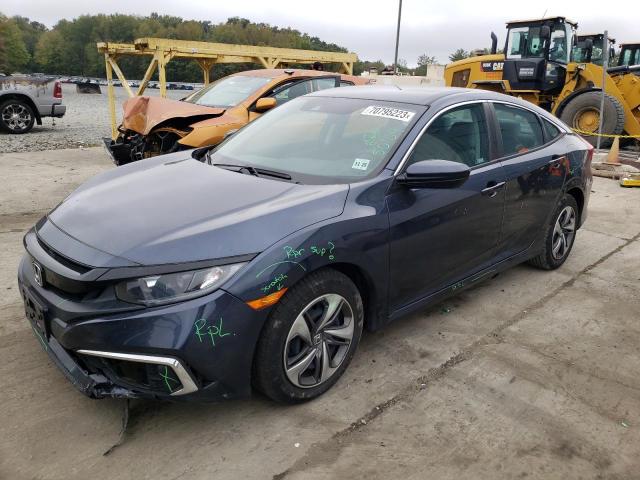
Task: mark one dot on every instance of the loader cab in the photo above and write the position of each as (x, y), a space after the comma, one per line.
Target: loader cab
(629, 54)
(590, 48)
(537, 53)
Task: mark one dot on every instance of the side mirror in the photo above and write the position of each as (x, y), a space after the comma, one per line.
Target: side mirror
(264, 104)
(545, 32)
(434, 174)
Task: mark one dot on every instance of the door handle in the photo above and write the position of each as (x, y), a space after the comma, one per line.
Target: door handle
(492, 188)
(555, 161)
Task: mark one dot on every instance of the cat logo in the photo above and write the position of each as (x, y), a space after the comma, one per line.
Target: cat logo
(492, 66)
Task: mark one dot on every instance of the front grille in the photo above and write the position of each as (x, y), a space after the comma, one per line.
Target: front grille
(70, 264)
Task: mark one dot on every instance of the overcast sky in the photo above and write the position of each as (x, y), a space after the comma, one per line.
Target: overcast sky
(366, 27)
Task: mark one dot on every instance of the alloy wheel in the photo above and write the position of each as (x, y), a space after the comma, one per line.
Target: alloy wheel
(318, 341)
(563, 232)
(16, 117)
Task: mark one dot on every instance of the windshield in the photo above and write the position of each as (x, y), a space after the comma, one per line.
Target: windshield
(228, 91)
(322, 140)
(526, 42)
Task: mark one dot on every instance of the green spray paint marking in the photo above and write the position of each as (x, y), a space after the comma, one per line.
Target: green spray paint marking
(166, 377)
(278, 263)
(322, 251)
(213, 331)
(292, 252)
(44, 344)
(276, 282)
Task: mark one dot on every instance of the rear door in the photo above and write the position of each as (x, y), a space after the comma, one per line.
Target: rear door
(440, 236)
(535, 166)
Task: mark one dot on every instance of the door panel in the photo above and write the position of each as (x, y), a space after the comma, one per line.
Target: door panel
(440, 236)
(535, 176)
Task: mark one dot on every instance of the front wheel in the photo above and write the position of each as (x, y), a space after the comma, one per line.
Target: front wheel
(309, 338)
(560, 234)
(16, 116)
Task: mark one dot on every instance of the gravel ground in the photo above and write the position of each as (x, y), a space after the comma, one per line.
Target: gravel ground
(84, 124)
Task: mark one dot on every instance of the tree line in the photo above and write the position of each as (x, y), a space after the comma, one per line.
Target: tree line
(69, 48)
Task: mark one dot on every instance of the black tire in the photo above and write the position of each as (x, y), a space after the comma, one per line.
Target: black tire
(547, 259)
(20, 124)
(590, 101)
(276, 344)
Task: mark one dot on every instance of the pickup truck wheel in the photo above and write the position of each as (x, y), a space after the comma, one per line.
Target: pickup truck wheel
(16, 116)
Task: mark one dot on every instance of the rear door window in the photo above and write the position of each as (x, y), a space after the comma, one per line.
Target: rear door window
(550, 130)
(520, 128)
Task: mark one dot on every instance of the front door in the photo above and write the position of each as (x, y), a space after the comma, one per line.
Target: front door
(441, 236)
(293, 89)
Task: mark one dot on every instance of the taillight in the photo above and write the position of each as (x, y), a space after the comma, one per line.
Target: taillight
(57, 90)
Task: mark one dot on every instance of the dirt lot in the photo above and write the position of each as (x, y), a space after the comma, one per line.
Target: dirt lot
(85, 122)
(530, 375)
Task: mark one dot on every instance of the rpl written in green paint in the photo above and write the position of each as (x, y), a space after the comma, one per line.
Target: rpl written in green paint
(212, 331)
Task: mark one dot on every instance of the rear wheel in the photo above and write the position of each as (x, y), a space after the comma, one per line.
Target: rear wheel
(16, 116)
(559, 235)
(583, 113)
(309, 338)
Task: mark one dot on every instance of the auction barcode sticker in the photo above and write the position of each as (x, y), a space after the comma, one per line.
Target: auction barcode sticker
(388, 112)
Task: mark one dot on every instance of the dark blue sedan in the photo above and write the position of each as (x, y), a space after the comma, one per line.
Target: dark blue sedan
(201, 274)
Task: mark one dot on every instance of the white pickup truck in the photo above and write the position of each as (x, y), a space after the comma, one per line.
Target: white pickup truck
(25, 100)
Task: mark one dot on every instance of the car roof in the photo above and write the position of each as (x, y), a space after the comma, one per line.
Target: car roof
(274, 73)
(414, 95)
(439, 97)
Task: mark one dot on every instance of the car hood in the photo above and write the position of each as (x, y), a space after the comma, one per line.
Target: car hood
(142, 114)
(173, 209)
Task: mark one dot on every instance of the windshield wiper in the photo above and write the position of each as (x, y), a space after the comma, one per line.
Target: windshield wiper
(255, 171)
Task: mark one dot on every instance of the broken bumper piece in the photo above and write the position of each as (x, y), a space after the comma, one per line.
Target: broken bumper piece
(119, 152)
(91, 384)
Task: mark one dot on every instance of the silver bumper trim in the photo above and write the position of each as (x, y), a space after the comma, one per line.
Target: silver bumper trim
(188, 385)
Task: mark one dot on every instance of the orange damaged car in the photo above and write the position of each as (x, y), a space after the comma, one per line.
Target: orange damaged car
(154, 126)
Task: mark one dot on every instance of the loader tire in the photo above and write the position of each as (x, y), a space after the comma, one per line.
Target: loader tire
(582, 113)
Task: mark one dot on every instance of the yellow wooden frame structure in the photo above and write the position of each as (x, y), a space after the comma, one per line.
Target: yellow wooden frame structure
(206, 54)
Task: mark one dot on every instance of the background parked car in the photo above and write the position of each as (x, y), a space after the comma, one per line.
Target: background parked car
(153, 125)
(25, 100)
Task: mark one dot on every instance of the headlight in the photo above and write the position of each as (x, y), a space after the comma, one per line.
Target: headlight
(174, 287)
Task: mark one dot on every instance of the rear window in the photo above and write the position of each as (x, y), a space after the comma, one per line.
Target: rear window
(520, 128)
(550, 130)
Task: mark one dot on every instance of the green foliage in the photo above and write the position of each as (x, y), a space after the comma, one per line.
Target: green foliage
(14, 56)
(365, 66)
(70, 47)
(459, 54)
(424, 61)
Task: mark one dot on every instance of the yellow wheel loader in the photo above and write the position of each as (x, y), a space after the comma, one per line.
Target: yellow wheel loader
(537, 66)
(629, 54)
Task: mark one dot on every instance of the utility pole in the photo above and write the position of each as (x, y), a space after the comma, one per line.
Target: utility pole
(605, 65)
(395, 61)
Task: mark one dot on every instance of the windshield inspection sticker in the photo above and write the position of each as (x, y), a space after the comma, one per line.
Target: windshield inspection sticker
(360, 164)
(387, 112)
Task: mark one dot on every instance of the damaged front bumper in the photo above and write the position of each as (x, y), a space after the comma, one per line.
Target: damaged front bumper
(122, 152)
(93, 385)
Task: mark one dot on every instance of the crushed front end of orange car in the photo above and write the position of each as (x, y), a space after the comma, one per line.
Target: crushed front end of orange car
(153, 126)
